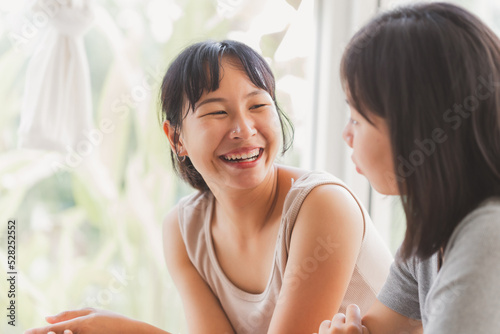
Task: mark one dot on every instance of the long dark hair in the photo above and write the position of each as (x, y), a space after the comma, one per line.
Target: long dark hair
(195, 71)
(432, 71)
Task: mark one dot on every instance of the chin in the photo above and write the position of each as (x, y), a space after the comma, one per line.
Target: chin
(243, 181)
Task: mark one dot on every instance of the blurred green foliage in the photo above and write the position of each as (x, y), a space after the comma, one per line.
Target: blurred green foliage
(90, 235)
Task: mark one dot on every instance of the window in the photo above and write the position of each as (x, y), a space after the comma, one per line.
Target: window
(89, 229)
(89, 234)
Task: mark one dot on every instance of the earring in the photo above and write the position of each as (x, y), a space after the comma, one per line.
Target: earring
(180, 160)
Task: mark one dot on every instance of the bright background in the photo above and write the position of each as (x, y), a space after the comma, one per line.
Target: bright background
(90, 235)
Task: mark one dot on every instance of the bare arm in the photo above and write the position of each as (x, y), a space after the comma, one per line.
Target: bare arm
(382, 320)
(324, 247)
(91, 321)
(203, 311)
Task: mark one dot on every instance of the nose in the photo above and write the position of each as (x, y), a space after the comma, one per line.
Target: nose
(347, 134)
(243, 128)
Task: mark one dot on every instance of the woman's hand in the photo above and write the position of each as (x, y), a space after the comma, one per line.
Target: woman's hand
(350, 323)
(84, 321)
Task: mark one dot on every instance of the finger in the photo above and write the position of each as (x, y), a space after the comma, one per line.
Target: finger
(353, 314)
(338, 319)
(68, 315)
(67, 331)
(324, 327)
(54, 329)
(365, 330)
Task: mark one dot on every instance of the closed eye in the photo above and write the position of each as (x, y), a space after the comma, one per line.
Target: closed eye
(220, 112)
(257, 106)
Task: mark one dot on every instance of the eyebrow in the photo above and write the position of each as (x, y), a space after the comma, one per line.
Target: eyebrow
(210, 100)
(221, 99)
(256, 92)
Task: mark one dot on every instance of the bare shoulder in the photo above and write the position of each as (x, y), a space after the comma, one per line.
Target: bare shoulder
(332, 208)
(171, 224)
(333, 199)
(173, 245)
(332, 192)
(171, 220)
(328, 204)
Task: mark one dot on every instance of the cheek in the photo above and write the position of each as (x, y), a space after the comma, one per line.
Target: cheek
(369, 152)
(359, 143)
(385, 152)
(267, 124)
(274, 135)
(383, 166)
(378, 155)
(199, 139)
(275, 125)
(276, 120)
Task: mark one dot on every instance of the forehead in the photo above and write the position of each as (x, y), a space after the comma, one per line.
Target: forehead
(206, 75)
(232, 79)
(232, 69)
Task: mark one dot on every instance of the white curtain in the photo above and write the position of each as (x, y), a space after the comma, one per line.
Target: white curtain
(337, 22)
(57, 104)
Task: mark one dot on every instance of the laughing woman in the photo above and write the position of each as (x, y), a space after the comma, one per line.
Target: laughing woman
(423, 84)
(260, 247)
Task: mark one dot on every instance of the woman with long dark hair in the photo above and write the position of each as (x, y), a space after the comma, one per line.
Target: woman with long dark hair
(423, 85)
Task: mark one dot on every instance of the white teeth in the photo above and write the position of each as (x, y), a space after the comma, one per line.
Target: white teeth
(250, 156)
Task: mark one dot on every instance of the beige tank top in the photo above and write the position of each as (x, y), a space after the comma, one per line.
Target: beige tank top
(251, 313)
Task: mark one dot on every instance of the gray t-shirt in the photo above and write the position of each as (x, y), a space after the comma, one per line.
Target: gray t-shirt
(464, 297)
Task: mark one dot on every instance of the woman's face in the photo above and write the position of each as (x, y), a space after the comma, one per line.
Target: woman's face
(372, 152)
(233, 135)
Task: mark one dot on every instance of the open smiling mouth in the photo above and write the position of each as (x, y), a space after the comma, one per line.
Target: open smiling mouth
(244, 157)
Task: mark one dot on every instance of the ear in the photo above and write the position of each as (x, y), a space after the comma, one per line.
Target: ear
(170, 132)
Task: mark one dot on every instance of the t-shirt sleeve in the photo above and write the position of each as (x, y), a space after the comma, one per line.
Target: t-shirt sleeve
(465, 297)
(400, 291)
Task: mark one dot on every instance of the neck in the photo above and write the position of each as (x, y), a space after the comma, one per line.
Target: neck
(248, 212)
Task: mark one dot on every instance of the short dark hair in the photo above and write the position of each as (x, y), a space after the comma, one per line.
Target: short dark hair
(195, 71)
(432, 71)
